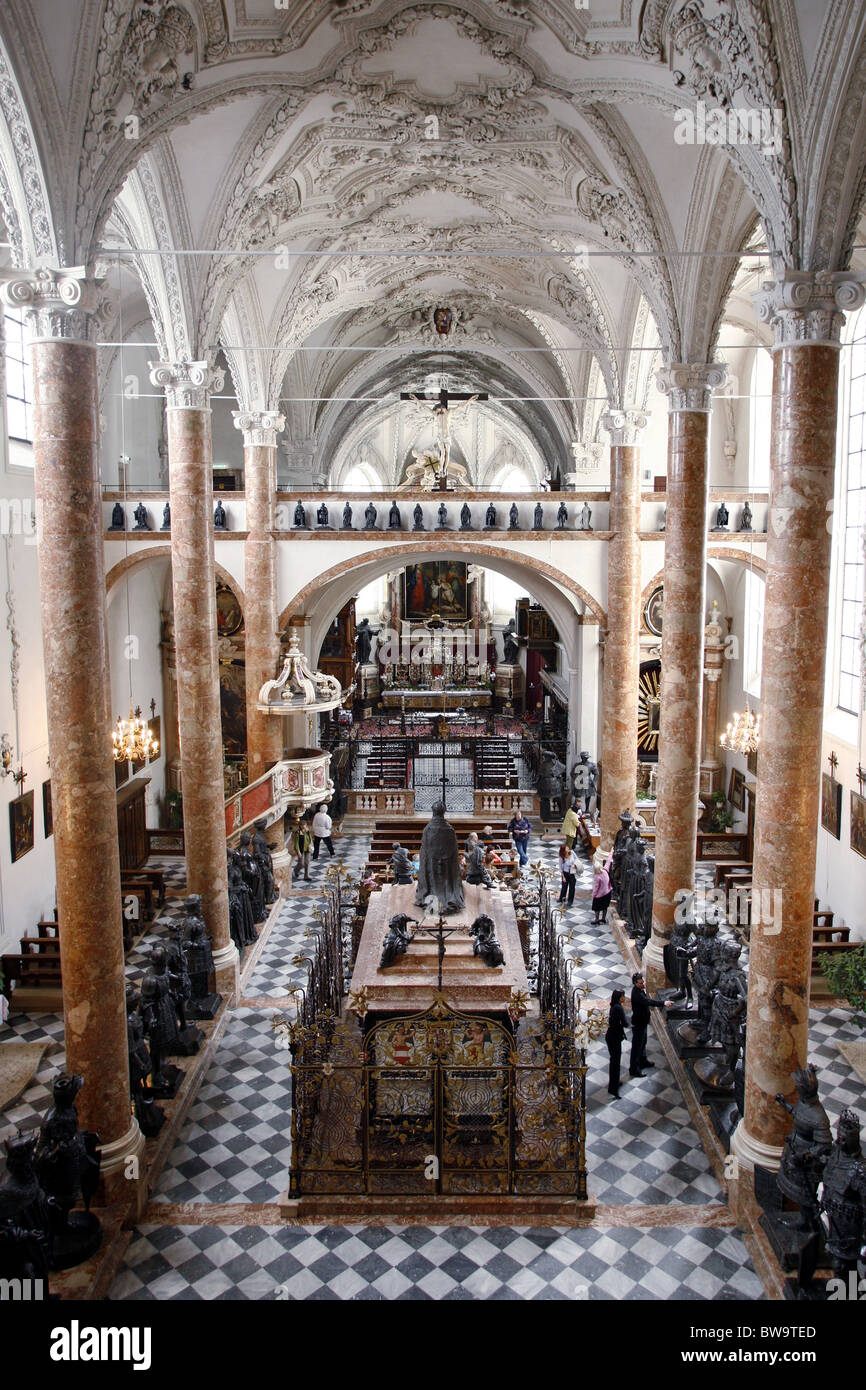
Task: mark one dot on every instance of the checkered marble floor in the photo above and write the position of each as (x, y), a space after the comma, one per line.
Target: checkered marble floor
(438, 1263)
(234, 1149)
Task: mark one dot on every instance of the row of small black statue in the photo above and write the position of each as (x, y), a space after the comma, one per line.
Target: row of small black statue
(252, 885)
(142, 522)
(395, 521)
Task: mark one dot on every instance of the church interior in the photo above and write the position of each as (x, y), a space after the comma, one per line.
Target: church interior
(433, 679)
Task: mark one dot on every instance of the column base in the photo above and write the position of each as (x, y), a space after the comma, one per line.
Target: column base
(226, 969)
(282, 862)
(653, 962)
(122, 1178)
(752, 1153)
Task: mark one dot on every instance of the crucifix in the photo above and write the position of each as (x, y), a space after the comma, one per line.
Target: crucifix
(441, 933)
(834, 763)
(860, 774)
(443, 414)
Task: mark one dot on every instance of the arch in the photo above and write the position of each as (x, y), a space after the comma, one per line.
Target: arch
(714, 552)
(434, 547)
(161, 552)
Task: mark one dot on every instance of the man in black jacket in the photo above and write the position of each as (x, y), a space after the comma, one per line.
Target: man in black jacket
(640, 1017)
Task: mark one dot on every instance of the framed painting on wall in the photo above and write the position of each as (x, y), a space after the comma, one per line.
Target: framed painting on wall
(737, 789)
(858, 823)
(436, 589)
(831, 805)
(21, 825)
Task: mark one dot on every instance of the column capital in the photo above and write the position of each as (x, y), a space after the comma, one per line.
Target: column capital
(623, 426)
(690, 385)
(65, 304)
(808, 306)
(187, 385)
(259, 426)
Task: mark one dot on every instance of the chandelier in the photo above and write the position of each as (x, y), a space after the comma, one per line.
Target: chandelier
(743, 734)
(132, 739)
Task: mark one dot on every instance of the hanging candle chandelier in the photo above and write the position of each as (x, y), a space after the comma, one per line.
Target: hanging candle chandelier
(132, 739)
(743, 734)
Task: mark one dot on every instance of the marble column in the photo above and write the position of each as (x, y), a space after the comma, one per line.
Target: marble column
(714, 664)
(65, 309)
(188, 386)
(262, 641)
(689, 387)
(806, 312)
(619, 717)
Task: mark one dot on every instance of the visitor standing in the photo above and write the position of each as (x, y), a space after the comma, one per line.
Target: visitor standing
(302, 841)
(571, 824)
(640, 1017)
(520, 829)
(568, 866)
(322, 825)
(601, 888)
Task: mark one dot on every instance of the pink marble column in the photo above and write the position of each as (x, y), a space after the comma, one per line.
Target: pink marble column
(679, 766)
(190, 462)
(619, 715)
(262, 641)
(65, 311)
(806, 312)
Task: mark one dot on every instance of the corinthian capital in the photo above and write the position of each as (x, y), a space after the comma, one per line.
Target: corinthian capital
(623, 426)
(259, 426)
(187, 385)
(690, 385)
(808, 306)
(65, 304)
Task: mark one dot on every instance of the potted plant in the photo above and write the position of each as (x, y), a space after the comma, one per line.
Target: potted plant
(721, 814)
(845, 973)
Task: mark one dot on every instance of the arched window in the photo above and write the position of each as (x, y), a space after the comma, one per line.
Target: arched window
(512, 479)
(362, 478)
(760, 416)
(852, 524)
(19, 400)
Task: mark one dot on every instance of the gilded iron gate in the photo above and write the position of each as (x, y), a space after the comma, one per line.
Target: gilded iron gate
(438, 1103)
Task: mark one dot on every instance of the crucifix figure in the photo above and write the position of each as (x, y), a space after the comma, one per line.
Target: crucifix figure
(443, 414)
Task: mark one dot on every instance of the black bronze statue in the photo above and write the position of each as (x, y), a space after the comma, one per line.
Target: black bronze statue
(584, 779)
(418, 517)
(370, 514)
(363, 642)
(203, 1002)
(746, 518)
(561, 517)
(485, 944)
(490, 517)
(439, 865)
(401, 864)
(323, 520)
(551, 786)
(397, 940)
(807, 1148)
(169, 963)
(118, 518)
(220, 520)
(509, 644)
(843, 1200)
(721, 518)
(141, 521)
(241, 920)
(347, 517)
(513, 518)
(442, 523)
(538, 518)
(166, 517)
(26, 1215)
(66, 1158)
(262, 854)
(640, 919)
(252, 876)
(619, 847)
(465, 517)
(300, 520)
(476, 867)
(150, 1118)
(678, 953)
(395, 521)
(705, 973)
(727, 1021)
(159, 1017)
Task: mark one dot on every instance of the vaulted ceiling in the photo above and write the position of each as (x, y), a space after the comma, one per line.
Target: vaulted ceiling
(314, 174)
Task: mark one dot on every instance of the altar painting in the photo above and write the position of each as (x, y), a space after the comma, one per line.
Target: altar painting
(436, 589)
